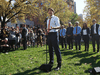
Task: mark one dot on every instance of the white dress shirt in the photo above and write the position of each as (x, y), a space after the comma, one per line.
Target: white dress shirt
(95, 28)
(99, 30)
(84, 32)
(54, 22)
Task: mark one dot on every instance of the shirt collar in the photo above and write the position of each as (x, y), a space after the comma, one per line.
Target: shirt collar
(52, 16)
(95, 24)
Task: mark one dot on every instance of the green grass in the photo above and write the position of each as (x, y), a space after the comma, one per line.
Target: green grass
(27, 62)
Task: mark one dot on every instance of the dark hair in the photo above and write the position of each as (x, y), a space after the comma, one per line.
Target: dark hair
(85, 25)
(51, 9)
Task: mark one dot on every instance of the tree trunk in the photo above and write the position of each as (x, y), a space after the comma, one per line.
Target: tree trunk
(2, 24)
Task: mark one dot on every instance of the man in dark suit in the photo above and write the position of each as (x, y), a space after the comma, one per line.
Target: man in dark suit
(69, 34)
(24, 37)
(95, 35)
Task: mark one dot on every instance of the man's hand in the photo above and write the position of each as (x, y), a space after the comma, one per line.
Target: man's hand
(75, 34)
(68, 35)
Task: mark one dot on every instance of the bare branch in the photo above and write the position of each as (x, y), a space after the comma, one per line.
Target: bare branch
(13, 16)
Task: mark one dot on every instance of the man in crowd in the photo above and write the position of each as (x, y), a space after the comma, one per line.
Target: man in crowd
(77, 35)
(63, 36)
(53, 24)
(69, 34)
(24, 37)
(95, 35)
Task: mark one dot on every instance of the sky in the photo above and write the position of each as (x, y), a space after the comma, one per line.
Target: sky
(80, 4)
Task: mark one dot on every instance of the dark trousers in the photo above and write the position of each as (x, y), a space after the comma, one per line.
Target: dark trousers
(95, 38)
(53, 44)
(11, 43)
(70, 42)
(86, 41)
(25, 44)
(5, 49)
(63, 42)
(78, 41)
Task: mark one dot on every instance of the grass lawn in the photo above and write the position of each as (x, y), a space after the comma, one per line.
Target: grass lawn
(27, 62)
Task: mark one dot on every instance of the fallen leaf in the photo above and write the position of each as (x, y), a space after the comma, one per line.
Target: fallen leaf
(1, 66)
(34, 57)
(14, 56)
(28, 67)
(37, 72)
(90, 63)
(10, 74)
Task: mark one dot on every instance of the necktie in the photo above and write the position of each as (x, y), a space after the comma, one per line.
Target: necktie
(49, 25)
(76, 30)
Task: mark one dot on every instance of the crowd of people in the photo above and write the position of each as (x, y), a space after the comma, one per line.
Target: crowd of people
(12, 38)
(77, 34)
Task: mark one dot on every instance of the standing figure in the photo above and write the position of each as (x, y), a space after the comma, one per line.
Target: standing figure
(69, 34)
(85, 35)
(53, 24)
(39, 36)
(24, 37)
(77, 35)
(95, 35)
(63, 36)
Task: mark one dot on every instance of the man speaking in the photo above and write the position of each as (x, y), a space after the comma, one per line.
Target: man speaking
(53, 24)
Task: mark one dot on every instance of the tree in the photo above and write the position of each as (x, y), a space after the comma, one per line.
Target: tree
(11, 10)
(60, 7)
(93, 11)
(73, 18)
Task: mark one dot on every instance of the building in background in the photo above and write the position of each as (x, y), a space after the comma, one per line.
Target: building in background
(70, 5)
(19, 23)
(81, 15)
(75, 7)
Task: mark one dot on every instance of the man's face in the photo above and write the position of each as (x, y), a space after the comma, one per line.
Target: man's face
(76, 24)
(50, 12)
(69, 25)
(93, 22)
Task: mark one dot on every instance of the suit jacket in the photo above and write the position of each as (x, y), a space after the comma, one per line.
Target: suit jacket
(92, 29)
(70, 31)
(88, 31)
(24, 33)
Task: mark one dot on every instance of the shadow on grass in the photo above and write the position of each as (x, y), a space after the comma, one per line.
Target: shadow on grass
(91, 61)
(30, 72)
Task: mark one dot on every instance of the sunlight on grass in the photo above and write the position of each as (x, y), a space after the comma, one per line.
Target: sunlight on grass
(27, 62)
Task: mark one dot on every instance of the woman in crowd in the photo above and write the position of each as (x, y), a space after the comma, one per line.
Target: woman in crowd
(85, 35)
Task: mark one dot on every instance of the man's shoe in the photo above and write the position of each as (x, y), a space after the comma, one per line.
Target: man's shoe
(51, 64)
(58, 68)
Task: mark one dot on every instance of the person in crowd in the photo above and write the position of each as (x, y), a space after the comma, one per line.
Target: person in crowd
(5, 45)
(31, 37)
(85, 35)
(24, 37)
(53, 24)
(63, 36)
(95, 34)
(69, 34)
(17, 37)
(28, 38)
(39, 36)
(12, 39)
(77, 35)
